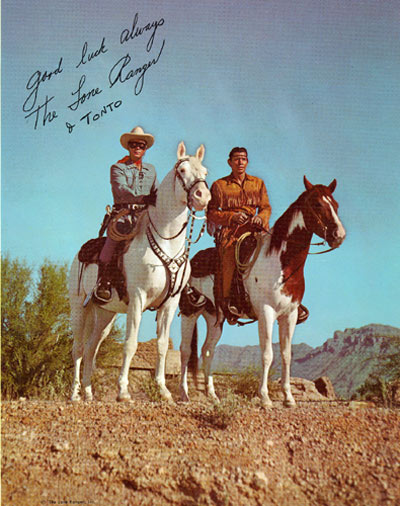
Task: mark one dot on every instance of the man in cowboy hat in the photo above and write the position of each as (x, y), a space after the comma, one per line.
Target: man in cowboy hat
(134, 187)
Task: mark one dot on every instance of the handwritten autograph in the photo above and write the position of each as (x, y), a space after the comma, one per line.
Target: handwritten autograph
(119, 75)
(136, 31)
(102, 50)
(81, 97)
(43, 111)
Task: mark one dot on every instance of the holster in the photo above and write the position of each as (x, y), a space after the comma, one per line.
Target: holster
(104, 225)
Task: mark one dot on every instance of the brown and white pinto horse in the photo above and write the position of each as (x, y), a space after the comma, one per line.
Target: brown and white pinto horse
(275, 284)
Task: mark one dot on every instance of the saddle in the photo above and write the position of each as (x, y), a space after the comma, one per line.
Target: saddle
(206, 262)
(245, 247)
(90, 253)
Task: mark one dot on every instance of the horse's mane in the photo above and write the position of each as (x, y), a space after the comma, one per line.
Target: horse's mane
(280, 228)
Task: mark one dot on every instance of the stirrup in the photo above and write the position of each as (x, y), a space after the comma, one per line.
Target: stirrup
(101, 297)
(234, 311)
(303, 314)
(196, 298)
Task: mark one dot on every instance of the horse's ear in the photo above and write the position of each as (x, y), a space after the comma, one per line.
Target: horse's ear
(332, 186)
(200, 152)
(307, 183)
(181, 150)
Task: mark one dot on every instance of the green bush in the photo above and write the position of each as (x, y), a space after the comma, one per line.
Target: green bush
(152, 390)
(224, 412)
(247, 382)
(36, 337)
(36, 333)
(381, 385)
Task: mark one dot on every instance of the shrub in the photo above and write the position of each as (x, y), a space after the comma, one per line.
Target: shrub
(36, 333)
(152, 390)
(381, 385)
(36, 338)
(247, 382)
(225, 411)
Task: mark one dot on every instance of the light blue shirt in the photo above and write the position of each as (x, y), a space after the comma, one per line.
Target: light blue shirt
(129, 184)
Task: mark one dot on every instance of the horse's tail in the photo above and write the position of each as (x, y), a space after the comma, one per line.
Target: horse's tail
(193, 364)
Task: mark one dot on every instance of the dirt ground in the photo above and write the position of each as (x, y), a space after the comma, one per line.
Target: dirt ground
(146, 453)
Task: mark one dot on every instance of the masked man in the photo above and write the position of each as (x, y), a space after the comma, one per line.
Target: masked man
(134, 187)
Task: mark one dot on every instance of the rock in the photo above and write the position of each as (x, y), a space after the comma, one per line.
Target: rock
(325, 387)
(260, 481)
(302, 390)
(60, 446)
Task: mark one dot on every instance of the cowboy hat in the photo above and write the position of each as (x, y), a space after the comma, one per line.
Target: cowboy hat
(137, 134)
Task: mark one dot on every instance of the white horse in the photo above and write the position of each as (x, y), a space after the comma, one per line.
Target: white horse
(155, 270)
(274, 283)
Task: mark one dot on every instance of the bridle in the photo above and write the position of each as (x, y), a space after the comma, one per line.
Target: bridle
(320, 222)
(189, 188)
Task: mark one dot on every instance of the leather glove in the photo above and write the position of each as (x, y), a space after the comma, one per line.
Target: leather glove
(151, 198)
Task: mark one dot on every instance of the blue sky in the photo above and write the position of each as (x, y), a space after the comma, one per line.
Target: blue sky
(309, 87)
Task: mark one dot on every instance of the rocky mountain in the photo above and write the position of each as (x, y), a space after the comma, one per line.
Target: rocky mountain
(347, 359)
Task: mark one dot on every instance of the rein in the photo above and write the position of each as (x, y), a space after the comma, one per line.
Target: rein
(166, 238)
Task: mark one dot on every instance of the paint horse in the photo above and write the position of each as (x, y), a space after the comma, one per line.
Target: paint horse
(275, 285)
(156, 269)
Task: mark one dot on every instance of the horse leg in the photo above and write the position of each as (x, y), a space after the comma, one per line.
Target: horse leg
(164, 320)
(207, 352)
(102, 323)
(134, 316)
(188, 327)
(265, 328)
(287, 325)
(81, 319)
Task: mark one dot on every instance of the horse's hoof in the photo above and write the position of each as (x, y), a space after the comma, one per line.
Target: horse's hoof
(167, 398)
(184, 397)
(75, 398)
(289, 403)
(124, 398)
(266, 403)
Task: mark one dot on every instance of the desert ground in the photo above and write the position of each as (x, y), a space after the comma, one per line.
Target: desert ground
(156, 453)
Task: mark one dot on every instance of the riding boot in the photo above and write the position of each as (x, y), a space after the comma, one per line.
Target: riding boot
(103, 289)
(231, 313)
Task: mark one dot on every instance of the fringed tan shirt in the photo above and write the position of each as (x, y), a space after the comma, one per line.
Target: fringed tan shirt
(229, 197)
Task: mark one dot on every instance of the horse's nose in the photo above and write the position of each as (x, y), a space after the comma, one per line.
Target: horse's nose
(339, 235)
